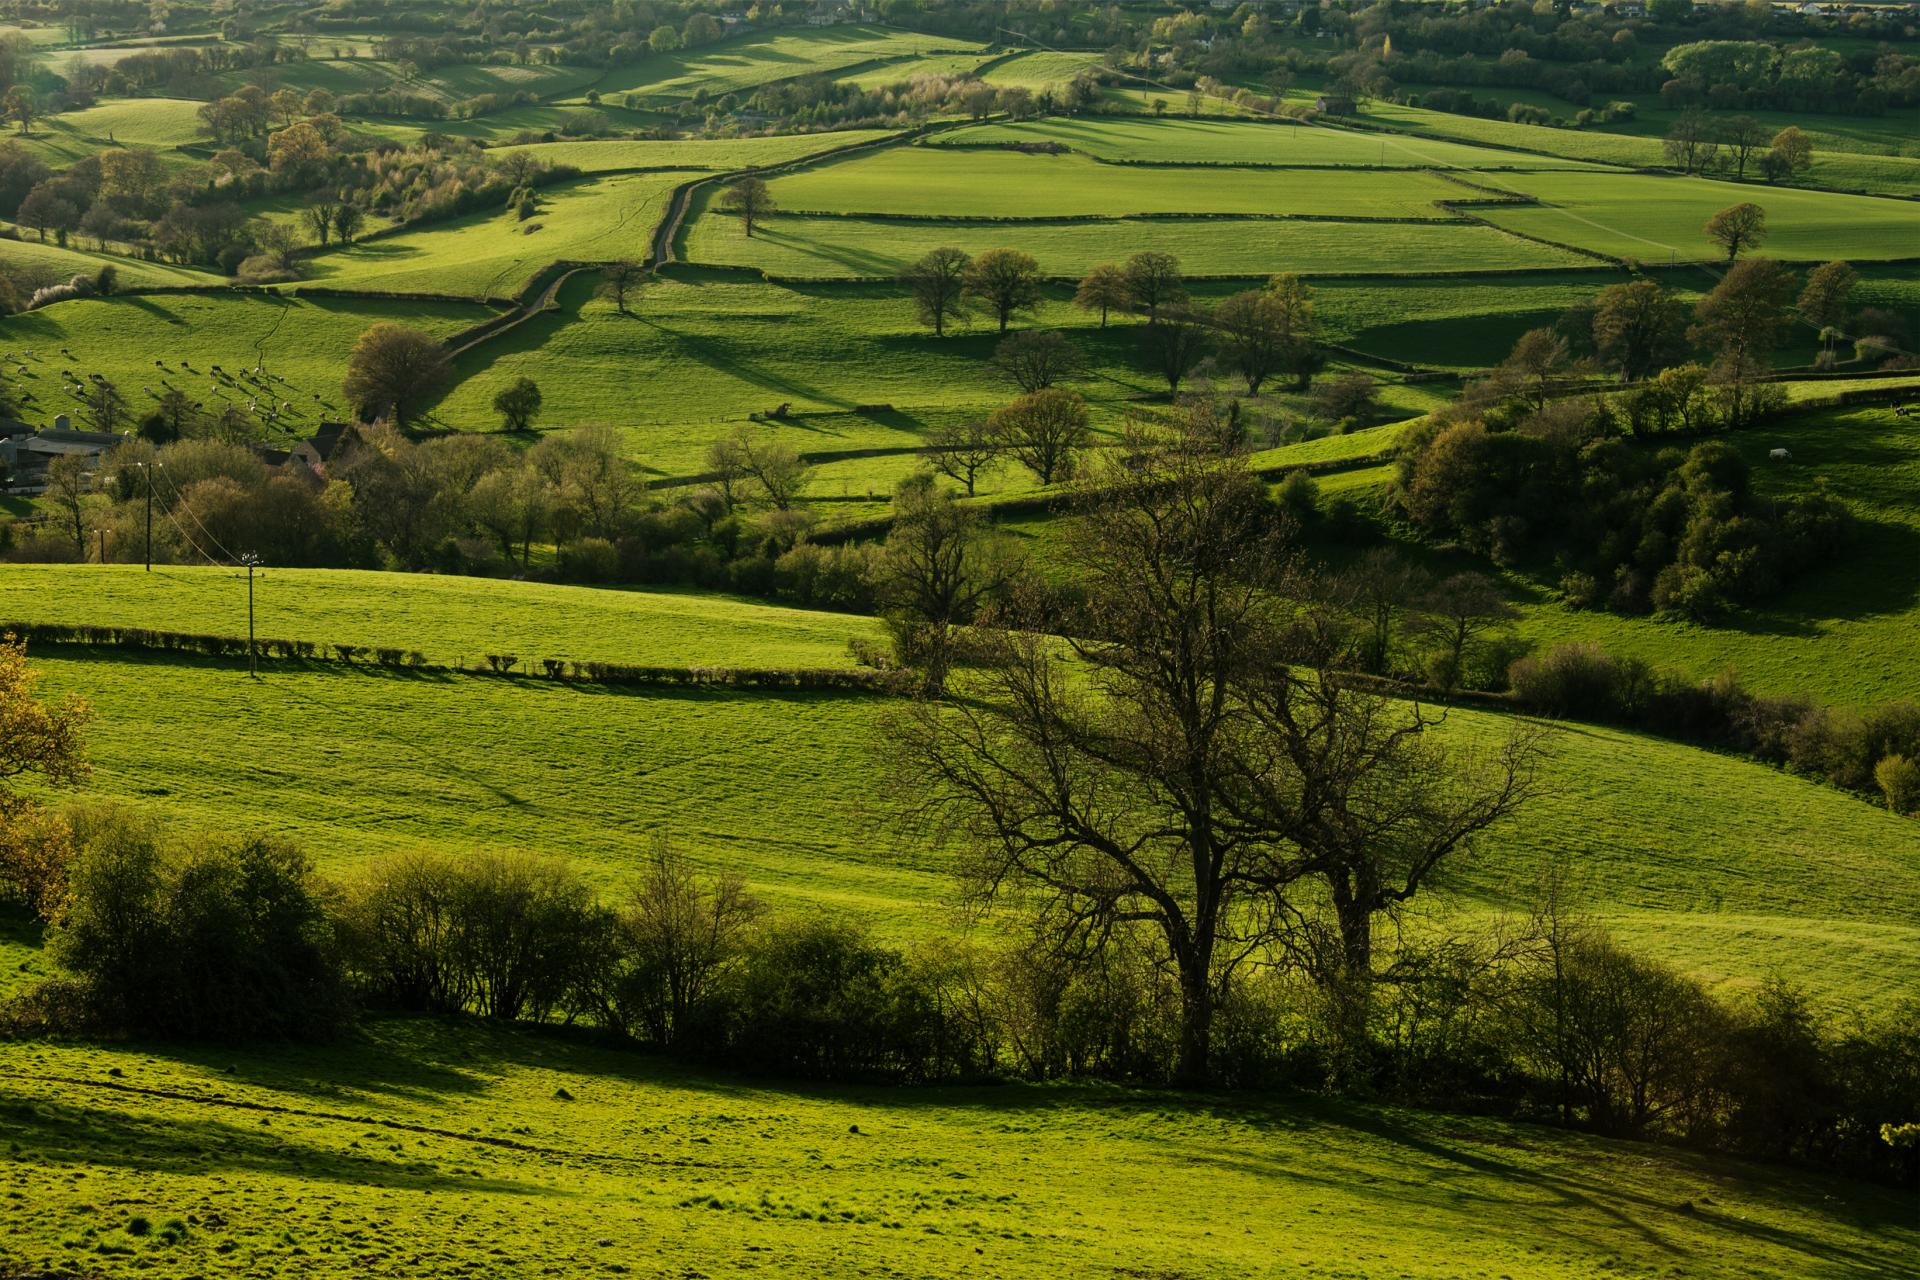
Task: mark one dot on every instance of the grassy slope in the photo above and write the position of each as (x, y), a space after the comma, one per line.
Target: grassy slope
(1007, 184)
(305, 343)
(450, 619)
(491, 254)
(649, 1170)
(134, 274)
(692, 153)
(744, 64)
(1729, 868)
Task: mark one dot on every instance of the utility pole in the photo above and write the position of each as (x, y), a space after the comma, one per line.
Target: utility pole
(251, 560)
(148, 467)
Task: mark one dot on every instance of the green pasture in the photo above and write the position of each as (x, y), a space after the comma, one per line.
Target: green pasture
(1039, 69)
(451, 83)
(1658, 218)
(1228, 142)
(303, 342)
(534, 1152)
(701, 351)
(497, 127)
(137, 122)
(134, 273)
(854, 247)
(1451, 322)
(1730, 869)
(451, 620)
(744, 64)
(944, 182)
(492, 253)
(902, 70)
(725, 154)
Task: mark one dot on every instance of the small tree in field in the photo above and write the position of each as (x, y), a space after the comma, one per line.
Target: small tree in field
(1103, 289)
(1742, 226)
(751, 198)
(42, 740)
(964, 450)
(1004, 282)
(938, 285)
(393, 368)
(619, 281)
(1154, 282)
(1036, 359)
(1043, 431)
(517, 404)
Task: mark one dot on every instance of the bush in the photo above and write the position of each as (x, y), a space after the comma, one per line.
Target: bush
(1899, 780)
(1581, 681)
(219, 941)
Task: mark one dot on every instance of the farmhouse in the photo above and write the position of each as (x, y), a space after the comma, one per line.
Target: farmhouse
(26, 453)
(324, 445)
(1330, 104)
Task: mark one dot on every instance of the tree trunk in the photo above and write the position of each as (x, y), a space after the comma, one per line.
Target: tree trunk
(1196, 1025)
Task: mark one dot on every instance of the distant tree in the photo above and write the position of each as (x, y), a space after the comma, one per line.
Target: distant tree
(45, 209)
(619, 280)
(395, 370)
(1454, 615)
(727, 472)
(347, 221)
(751, 198)
(774, 465)
(1037, 358)
(1153, 282)
(595, 486)
(515, 505)
(663, 39)
(69, 485)
(1743, 137)
(1538, 358)
(1638, 328)
(286, 106)
(319, 216)
(964, 450)
(1175, 346)
(1746, 314)
(43, 739)
(22, 106)
(1823, 302)
(1043, 431)
(1103, 289)
(937, 282)
(1005, 282)
(1738, 227)
(517, 404)
(105, 408)
(1690, 143)
(1265, 331)
(1351, 396)
(1790, 153)
(298, 153)
(938, 568)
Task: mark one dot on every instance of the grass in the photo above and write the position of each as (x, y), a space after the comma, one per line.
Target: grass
(870, 248)
(1227, 142)
(449, 619)
(741, 65)
(1728, 868)
(451, 83)
(692, 153)
(304, 342)
(902, 70)
(492, 253)
(134, 274)
(1655, 218)
(533, 1152)
(1005, 184)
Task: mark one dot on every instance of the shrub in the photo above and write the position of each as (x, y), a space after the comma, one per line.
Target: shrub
(1899, 780)
(1581, 681)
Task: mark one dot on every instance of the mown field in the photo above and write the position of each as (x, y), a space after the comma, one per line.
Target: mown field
(744, 64)
(601, 156)
(493, 253)
(441, 1149)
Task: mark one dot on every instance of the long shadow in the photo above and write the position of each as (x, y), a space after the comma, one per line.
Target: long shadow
(153, 308)
(710, 354)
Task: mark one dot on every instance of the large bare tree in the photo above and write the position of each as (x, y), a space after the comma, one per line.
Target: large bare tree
(1187, 761)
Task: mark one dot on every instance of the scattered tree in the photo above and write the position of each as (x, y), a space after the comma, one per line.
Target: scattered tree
(939, 567)
(964, 450)
(1037, 358)
(395, 370)
(1741, 226)
(751, 198)
(1043, 431)
(1103, 289)
(1005, 282)
(1153, 282)
(1638, 328)
(619, 280)
(1746, 314)
(938, 285)
(517, 404)
(1175, 346)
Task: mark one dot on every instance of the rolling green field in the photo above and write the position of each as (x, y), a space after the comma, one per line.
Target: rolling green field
(428, 1145)
(492, 254)
(304, 343)
(133, 273)
(1005, 184)
(1227, 142)
(342, 76)
(692, 153)
(743, 64)
(826, 248)
(1652, 218)
(452, 620)
(903, 70)
(1728, 868)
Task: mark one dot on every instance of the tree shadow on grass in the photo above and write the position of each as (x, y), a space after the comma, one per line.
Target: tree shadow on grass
(65, 1132)
(716, 358)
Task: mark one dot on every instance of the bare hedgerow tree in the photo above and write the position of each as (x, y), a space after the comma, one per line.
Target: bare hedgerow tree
(964, 450)
(1043, 432)
(1035, 359)
(1182, 779)
(941, 565)
(619, 280)
(751, 198)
